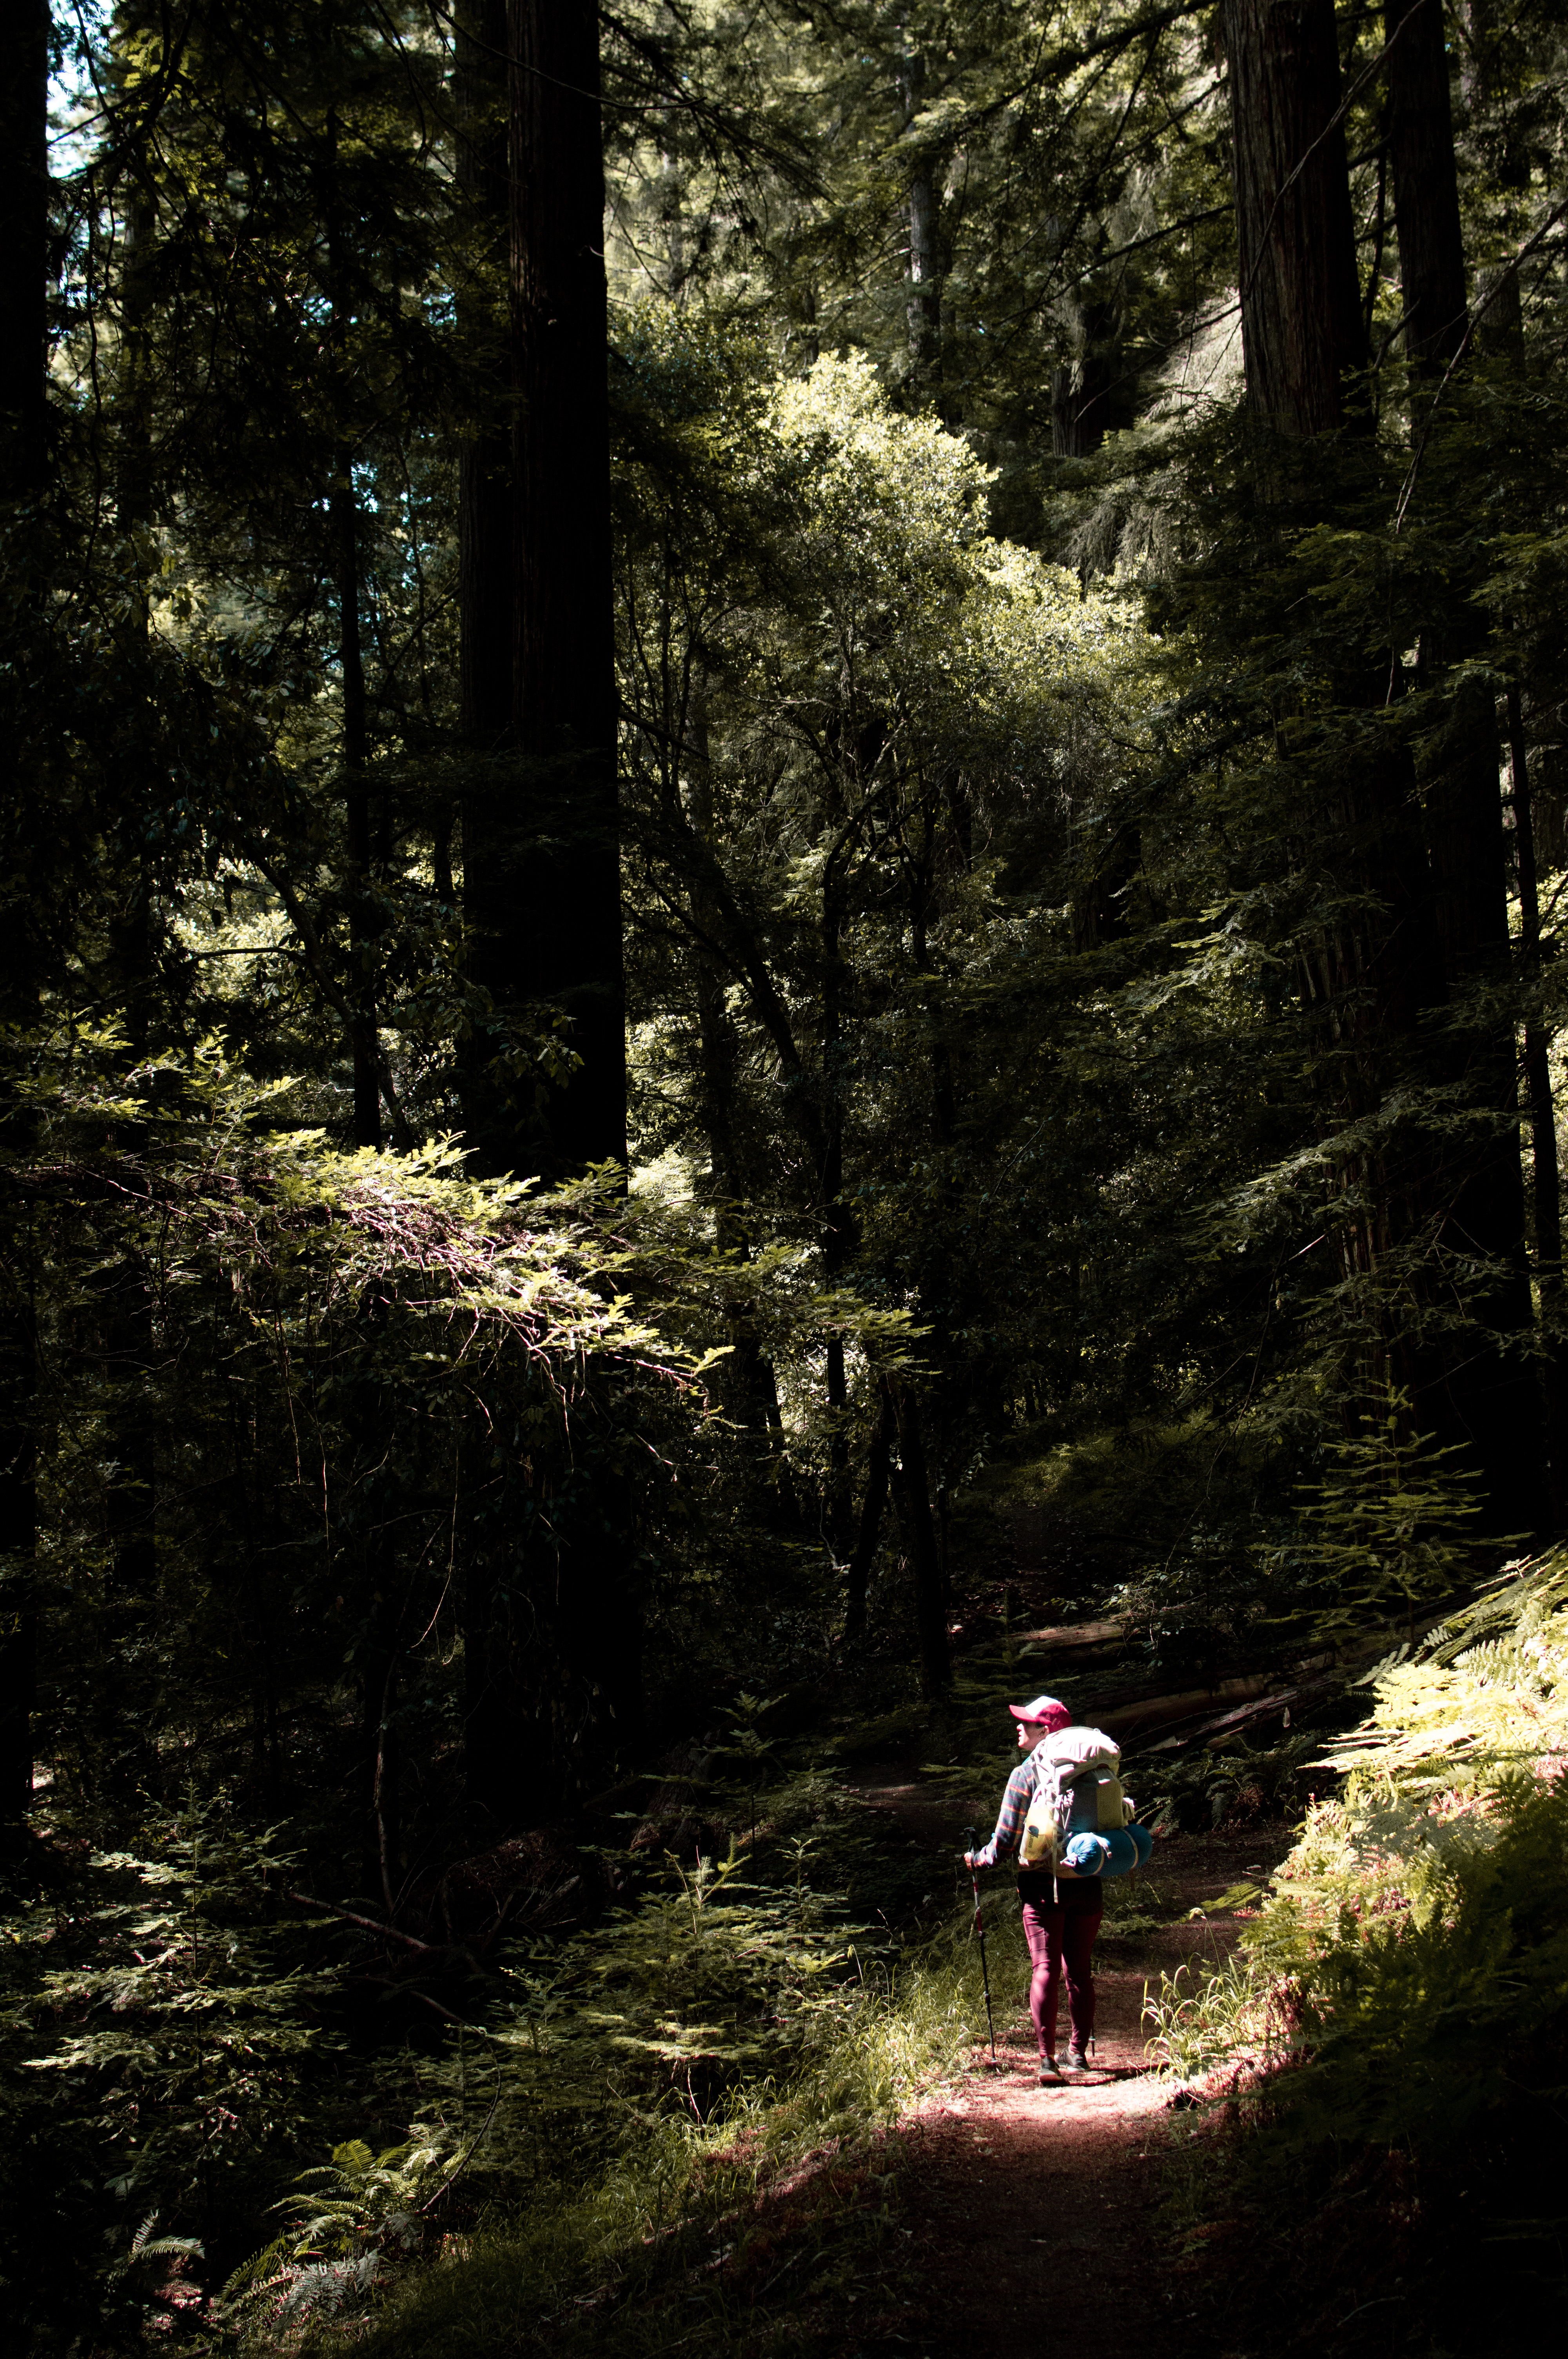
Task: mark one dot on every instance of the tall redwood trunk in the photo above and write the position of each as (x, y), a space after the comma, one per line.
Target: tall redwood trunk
(1491, 1397)
(1301, 314)
(485, 460)
(558, 920)
(1426, 186)
(548, 1610)
(485, 600)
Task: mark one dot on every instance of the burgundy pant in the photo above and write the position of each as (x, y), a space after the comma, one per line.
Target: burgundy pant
(1058, 1937)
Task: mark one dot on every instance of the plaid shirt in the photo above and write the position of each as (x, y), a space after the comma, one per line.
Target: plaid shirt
(1015, 1810)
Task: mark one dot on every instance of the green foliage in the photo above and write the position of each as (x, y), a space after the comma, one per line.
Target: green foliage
(1391, 1527)
(1231, 1783)
(758, 2224)
(1401, 1982)
(640, 2088)
(164, 2040)
(1072, 1002)
(355, 2220)
(294, 1311)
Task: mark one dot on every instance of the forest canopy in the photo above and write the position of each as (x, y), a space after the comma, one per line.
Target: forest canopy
(783, 816)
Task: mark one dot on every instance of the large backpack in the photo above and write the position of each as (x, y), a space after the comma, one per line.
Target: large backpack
(1077, 1791)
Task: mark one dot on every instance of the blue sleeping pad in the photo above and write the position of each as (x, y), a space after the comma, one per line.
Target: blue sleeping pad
(1117, 1852)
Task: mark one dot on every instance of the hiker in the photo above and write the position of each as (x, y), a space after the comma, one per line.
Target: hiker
(1063, 1904)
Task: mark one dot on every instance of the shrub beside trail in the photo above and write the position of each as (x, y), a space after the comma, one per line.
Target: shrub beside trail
(1379, 2066)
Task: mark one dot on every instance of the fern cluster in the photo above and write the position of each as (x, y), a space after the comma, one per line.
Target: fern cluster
(1399, 2003)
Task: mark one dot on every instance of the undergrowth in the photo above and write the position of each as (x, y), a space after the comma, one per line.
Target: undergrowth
(766, 2211)
(1379, 2069)
(663, 2126)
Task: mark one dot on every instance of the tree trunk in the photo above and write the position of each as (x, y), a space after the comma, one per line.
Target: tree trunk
(378, 1710)
(24, 482)
(1426, 186)
(923, 307)
(554, 905)
(1301, 312)
(1491, 1396)
(839, 1238)
(1548, 1193)
(344, 519)
(484, 569)
(873, 1504)
(1081, 390)
(1501, 326)
(745, 1381)
(18, 1527)
(670, 221)
(930, 1605)
(343, 525)
(23, 244)
(484, 458)
(133, 438)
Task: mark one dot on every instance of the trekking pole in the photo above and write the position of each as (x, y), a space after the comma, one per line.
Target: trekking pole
(981, 1930)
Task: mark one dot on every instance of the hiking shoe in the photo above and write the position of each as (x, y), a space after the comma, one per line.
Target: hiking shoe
(1049, 2068)
(1076, 2060)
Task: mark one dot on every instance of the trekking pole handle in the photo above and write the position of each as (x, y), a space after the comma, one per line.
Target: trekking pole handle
(970, 1833)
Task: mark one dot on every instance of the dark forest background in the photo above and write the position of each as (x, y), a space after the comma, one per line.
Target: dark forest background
(784, 809)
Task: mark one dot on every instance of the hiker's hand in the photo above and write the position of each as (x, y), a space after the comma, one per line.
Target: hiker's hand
(969, 1859)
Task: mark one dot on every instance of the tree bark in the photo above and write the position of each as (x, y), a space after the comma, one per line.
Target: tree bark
(344, 519)
(551, 904)
(1301, 312)
(343, 525)
(930, 1604)
(1547, 1191)
(1491, 1396)
(24, 483)
(1081, 400)
(670, 222)
(746, 1381)
(18, 1531)
(485, 493)
(485, 551)
(550, 1628)
(923, 307)
(484, 459)
(1491, 1393)
(24, 248)
(1501, 325)
(132, 438)
(1426, 186)
(873, 1505)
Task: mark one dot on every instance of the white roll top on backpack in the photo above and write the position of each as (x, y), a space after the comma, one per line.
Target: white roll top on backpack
(1077, 1791)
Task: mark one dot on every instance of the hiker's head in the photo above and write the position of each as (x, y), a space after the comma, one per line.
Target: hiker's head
(1039, 1718)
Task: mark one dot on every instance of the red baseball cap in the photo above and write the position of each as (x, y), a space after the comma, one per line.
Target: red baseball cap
(1045, 1709)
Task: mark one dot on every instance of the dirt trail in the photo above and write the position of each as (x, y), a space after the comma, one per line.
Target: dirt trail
(1033, 2209)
